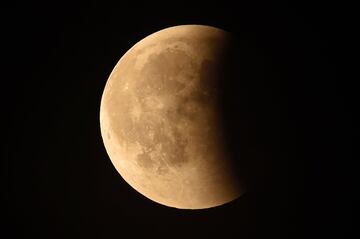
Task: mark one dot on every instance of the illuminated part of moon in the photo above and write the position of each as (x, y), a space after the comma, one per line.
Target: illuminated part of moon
(160, 121)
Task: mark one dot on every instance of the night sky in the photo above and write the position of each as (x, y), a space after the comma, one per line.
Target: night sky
(292, 99)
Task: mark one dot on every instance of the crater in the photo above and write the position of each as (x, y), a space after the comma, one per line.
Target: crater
(162, 170)
(164, 72)
(144, 161)
(188, 108)
(172, 148)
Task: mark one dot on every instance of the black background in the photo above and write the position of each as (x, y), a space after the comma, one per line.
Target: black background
(292, 99)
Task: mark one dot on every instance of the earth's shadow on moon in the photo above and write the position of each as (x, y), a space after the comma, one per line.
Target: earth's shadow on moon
(240, 85)
(254, 113)
(253, 117)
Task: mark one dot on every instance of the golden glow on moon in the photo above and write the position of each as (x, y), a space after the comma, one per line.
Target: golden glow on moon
(160, 121)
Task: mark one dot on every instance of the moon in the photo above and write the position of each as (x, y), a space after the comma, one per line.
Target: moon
(160, 119)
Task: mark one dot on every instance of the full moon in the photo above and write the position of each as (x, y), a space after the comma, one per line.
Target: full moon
(160, 119)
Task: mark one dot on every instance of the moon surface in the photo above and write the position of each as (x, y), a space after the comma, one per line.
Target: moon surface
(160, 119)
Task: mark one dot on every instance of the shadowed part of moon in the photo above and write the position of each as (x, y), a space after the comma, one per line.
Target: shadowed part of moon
(161, 113)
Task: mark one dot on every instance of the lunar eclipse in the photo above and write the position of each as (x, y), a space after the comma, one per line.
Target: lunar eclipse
(160, 118)
(214, 119)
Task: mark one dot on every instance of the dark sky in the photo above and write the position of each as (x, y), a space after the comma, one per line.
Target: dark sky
(58, 181)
